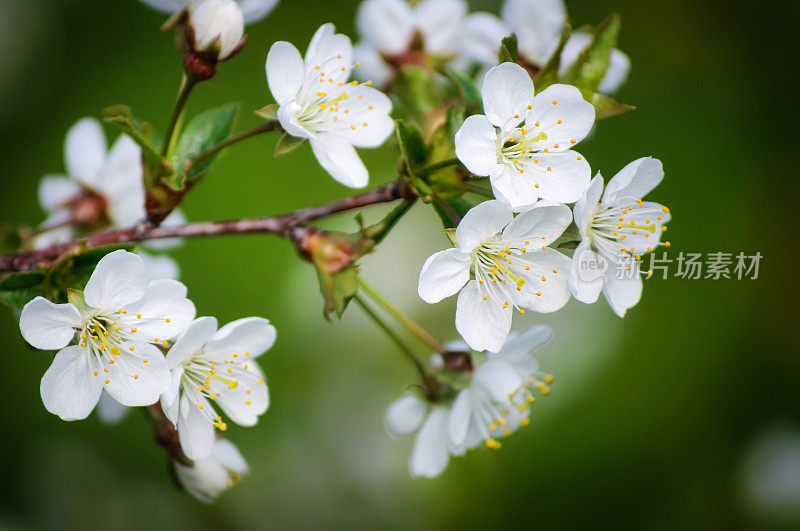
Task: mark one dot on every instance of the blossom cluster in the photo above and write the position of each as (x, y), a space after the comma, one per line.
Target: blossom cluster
(546, 232)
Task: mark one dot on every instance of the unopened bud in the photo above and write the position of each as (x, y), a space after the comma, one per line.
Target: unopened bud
(218, 27)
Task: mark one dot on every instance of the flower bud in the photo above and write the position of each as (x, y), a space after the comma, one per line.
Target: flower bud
(218, 26)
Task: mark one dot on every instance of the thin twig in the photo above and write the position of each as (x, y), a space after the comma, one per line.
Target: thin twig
(187, 84)
(272, 125)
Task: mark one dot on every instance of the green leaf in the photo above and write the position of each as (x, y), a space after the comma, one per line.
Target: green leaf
(338, 289)
(269, 112)
(455, 205)
(416, 92)
(17, 289)
(121, 117)
(202, 132)
(592, 64)
(288, 143)
(466, 87)
(412, 146)
(606, 106)
(453, 121)
(548, 75)
(10, 239)
(509, 49)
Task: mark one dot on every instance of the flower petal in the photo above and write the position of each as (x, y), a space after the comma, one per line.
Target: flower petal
(480, 39)
(120, 278)
(586, 206)
(371, 65)
(563, 115)
(634, 181)
(482, 222)
(405, 415)
(561, 177)
(369, 111)
(443, 274)
(546, 295)
(541, 225)
(622, 293)
(507, 93)
(191, 341)
(586, 274)
(170, 399)
(132, 381)
(48, 326)
(340, 159)
(160, 266)
(56, 191)
(430, 454)
(285, 71)
(331, 49)
(68, 388)
(386, 25)
(249, 399)
(459, 418)
(498, 378)
(85, 151)
(440, 22)
(195, 429)
(165, 311)
(520, 345)
(517, 190)
(484, 324)
(538, 25)
(255, 10)
(253, 335)
(476, 145)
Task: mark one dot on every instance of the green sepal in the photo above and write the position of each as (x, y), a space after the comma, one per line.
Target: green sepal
(451, 235)
(202, 132)
(269, 112)
(337, 289)
(606, 106)
(288, 143)
(509, 49)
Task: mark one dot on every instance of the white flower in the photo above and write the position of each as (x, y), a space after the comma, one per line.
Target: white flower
(253, 10)
(494, 404)
(511, 266)
(523, 142)
(218, 26)
(117, 320)
(210, 366)
(616, 229)
(539, 25)
(394, 33)
(101, 190)
(213, 474)
(317, 103)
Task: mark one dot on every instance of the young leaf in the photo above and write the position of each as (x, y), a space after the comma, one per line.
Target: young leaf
(202, 132)
(121, 117)
(453, 121)
(606, 106)
(416, 92)
(269, 112)
(412, 146)
(288, 143)
(337, 289)
(466, 87)
(509, 49)
(592, 64)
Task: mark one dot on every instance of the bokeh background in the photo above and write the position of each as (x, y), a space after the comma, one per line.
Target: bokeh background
(684, 415)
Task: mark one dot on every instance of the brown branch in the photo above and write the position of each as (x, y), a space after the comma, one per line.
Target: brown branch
(287, 225)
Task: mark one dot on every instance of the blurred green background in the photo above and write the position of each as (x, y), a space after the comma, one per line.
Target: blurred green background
(654, 422)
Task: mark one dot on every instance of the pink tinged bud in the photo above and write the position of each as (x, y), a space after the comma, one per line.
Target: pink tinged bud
(218, 26)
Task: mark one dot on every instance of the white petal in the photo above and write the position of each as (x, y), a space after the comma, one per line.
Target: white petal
(253, 334)
(121, 182)
(622, 293)
(459, 418)
(331, 49)
(481, 38)
(540, 225)
(48, 326)
(440, 22)
(195, 430)
(634, 181)
(167, 6)
(586, 274)
(241, 406)
(109, 410)
(386, 24)
(476, 145)
(340, 159)
(160, 266)
(405, 415)
(520, 345)
(546, 295)
(68, 388)
(498, 378)
(586, 206)
(228, 455)
(162, 301)
(567, 178)
(484, 324)
(564, 104)
(430, 454)
(515, 189)
(133, 381)
(56, 190)
(170, 399)
(85, 151)
(507, 92)
(371, 65)
(287, 116)
(443, 274)
(481, 223)
(120, 278)
(538, 25)
(255, 10)
(285, 71)
(367, 106)
(191, 341)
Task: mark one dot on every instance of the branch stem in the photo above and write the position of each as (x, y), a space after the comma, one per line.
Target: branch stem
(424, 170)
(433, 343)
(272, 125)
(187, 84)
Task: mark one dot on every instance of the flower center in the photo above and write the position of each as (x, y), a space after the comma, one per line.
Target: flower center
(518, 147)
(500, 278)
(630, 230)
